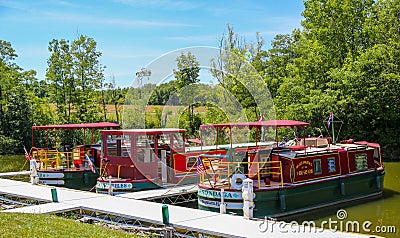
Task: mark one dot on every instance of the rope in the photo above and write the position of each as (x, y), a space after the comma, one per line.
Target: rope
(100, 176)
(245, 214)
(181, 180)
(20, 169)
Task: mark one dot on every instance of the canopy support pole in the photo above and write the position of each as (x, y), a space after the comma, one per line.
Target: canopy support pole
(256, 137)
(84, 136)
(55, 138)
(216, 142)
(33, 138)
(47, 139)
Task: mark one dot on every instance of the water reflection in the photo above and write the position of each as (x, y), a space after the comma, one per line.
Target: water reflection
(382, 212)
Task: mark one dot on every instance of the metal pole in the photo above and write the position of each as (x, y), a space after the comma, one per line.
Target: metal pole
(47, 139)
(33, 138)
(164, 178)
(333, 131)
(222, 206)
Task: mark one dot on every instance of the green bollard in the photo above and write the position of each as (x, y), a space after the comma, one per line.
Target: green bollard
(54, 194)
(165, 214)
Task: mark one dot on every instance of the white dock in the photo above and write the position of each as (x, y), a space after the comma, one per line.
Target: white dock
(179, 217)
(158, 193)
(11, 174)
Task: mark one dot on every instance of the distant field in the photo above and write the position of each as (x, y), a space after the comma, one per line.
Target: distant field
(149, 109)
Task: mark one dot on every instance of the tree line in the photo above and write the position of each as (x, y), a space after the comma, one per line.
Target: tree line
(344, 59)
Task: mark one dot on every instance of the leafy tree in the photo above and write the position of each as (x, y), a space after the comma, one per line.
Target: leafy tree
(15, 101)
(116, 98)
(235, 73)
(8, 75)
(60, 76)
(273, 64)
(339, 26)
(74, 75)
(88, 73)
(371, 86)
(187, 73)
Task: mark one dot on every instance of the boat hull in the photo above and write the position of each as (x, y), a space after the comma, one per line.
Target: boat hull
(295, 198)
(75, 179)
(120, 186)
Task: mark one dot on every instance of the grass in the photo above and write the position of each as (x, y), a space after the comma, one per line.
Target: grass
(13, 163)
(38, 225)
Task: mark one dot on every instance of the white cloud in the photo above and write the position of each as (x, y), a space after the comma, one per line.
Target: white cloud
(165, 4)
(194, 39)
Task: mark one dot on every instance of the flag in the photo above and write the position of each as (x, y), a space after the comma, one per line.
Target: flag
(27, 155)
(330, 119)
(200, 167)
(260, 118)
(90, 163)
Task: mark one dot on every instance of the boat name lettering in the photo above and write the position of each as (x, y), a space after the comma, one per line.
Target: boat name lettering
(217, 194)
(305, 172)
(105, 185)
(304, 167)
(217, 204)
(306, 163)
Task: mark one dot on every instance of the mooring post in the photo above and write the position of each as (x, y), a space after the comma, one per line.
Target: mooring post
(222, 205)
(165, 214)
(247, 195)
(110, 187)
(165, 218)
(33, 171)
(54, 195)
(164, 178)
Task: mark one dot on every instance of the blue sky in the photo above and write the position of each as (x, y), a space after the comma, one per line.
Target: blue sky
(132, 33)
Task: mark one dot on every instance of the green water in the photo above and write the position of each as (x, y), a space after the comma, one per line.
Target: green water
(378, 215)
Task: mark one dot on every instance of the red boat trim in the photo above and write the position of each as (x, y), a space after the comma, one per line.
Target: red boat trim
(272, 123)
(288, 186)
(97, 125)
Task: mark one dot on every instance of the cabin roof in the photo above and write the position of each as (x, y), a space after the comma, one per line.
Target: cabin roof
(271, 123)
(290, 154)
(142, 131)
(97, 125)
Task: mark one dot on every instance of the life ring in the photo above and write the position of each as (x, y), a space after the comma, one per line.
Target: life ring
(237, 181)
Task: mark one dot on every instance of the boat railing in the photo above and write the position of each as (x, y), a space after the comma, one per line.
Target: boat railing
(103, 168)
(231, 174)
(52, 159)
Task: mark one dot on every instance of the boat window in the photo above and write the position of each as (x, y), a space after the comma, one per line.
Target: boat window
(317, 166)
(118, 145)
(331, 164)
(126, 146)
(190, 162)
(112, 145)
(145, 150)
(361, 162)
(177, 141)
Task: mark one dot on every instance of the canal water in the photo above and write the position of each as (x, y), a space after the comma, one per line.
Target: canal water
(380, 217)
(376, 217)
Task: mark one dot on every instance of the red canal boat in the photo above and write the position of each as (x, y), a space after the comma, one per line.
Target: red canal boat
(67, 166)
(140, 159)
(288, 178)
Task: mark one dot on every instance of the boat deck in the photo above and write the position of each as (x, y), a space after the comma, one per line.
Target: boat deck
(180, 217)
